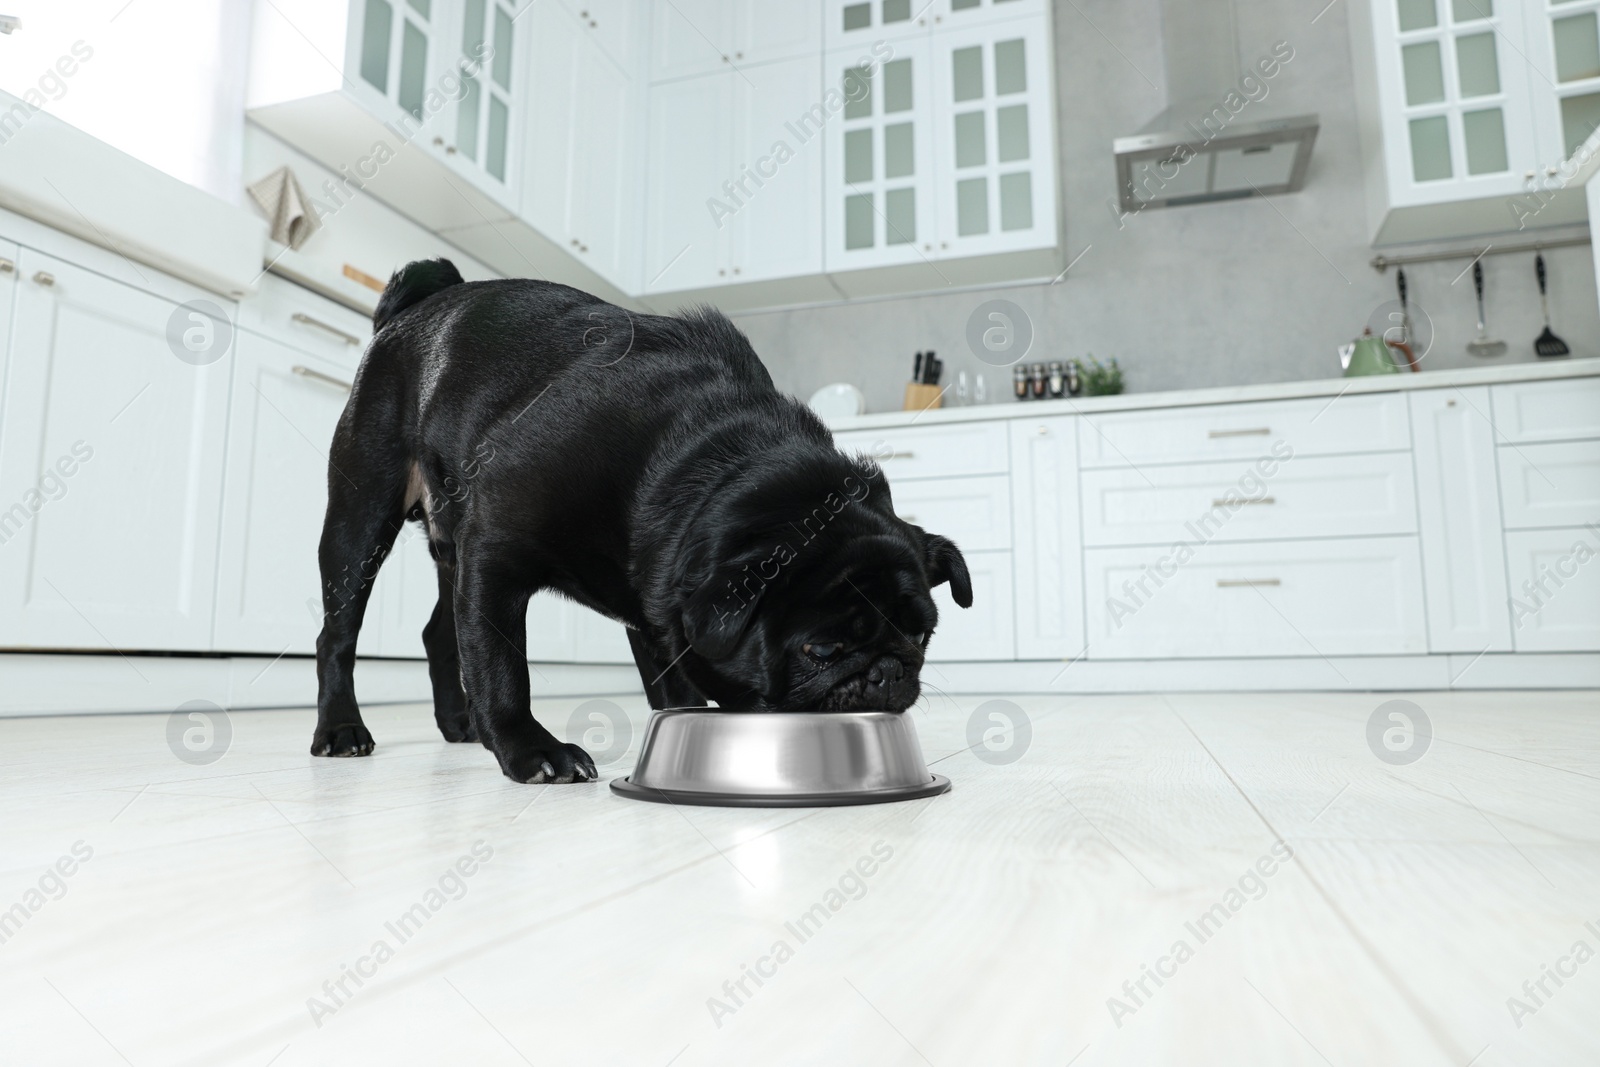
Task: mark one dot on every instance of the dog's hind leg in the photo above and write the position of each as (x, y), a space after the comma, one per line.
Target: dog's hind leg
(444, 663)
(366, 509)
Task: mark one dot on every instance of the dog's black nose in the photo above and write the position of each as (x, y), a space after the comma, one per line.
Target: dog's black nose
(886, 671)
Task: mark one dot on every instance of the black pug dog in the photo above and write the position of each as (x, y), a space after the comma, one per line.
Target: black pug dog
(641, 465)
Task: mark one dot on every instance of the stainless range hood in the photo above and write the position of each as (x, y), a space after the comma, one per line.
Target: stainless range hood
(1220, 137)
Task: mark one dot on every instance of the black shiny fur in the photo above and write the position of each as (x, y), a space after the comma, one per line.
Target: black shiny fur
(641, 465)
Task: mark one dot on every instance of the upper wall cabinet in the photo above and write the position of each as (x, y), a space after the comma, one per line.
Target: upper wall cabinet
(1473, 107)
(414, 101)
(944, 148)
(689, 37)
(853, 22)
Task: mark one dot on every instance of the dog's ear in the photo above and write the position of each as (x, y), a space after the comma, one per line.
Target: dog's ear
(718, 612)
(946, 564)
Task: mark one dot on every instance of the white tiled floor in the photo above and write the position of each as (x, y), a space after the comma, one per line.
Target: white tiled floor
(218, 900)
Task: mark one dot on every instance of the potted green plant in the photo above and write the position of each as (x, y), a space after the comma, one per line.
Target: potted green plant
(1099, 379)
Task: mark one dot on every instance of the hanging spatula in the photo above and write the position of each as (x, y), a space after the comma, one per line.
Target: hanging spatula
(1482, 346)
(1546, 344)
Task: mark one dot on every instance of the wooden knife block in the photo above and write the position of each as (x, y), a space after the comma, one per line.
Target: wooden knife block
(921, 397)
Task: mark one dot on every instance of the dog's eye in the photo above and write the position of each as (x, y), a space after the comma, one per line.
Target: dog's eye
(822, 652)
(919, 639)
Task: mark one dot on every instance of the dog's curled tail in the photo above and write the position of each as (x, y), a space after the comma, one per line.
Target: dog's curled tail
(412, 284)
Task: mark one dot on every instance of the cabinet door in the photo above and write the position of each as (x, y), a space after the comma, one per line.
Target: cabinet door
(396, 52)
(993, 139)
(113, 451)
(1458, 514)
(960, 14)
(860, 24)
(602, 183)
(985, 631)
(547, 164)
(1563, 40)
(1045, 530)
(550, 636)
(8, 295)
(613, 25)
(764, 31)
(778, 231)
(280, 422)
(690, 153)
(485, 120)
(1454, 86)
(689, 37)
(1555, 589)
(878, 186)
(407, 589)
(597, 639)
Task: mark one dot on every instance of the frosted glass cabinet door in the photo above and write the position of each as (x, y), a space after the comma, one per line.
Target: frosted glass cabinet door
(879, 185)
(395, 50)
(484, 114)
(1564, 38)
(993, 141)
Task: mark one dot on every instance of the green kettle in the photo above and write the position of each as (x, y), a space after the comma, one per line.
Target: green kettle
(1368, 355)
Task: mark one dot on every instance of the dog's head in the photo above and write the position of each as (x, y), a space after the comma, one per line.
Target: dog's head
(816, 597)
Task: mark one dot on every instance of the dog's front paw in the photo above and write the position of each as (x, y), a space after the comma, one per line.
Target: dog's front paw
(549, 762)
(342, 739)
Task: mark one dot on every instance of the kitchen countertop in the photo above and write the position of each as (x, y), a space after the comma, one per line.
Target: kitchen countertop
(1230, 394)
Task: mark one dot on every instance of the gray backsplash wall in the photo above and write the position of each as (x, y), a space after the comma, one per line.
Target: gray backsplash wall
(1215, 294)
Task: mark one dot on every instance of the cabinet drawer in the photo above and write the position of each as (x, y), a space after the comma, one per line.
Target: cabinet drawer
(295, 316)
(1353, 597)
(975, 513)
(1315, 426)
(932, 451)
(1561, 410)
(985, 631)
(1555, 484)
(1555, 590)
(1331, 496)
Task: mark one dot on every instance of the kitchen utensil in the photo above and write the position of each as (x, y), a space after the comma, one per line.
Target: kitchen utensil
(1404, 344)
(916, 368)
(838, 401)
(1482, 346)
(1370, 355)
(1546, 344)
(779, 760)
(963, 394)
(932, 368)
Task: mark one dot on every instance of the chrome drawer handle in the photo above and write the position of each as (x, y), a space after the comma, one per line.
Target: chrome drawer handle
(44, 278)
(6, 266)
(1259, 432)
(306, 320)
(908, 454)
(1243, 500)
(1245, 583)
(906, 518)
(316, 375)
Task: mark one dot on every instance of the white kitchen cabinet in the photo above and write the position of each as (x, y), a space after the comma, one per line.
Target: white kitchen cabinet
(1458, 498)
(1552, 484)
(387, 92)
(956, 450)
(613, 24)
(740, 200)
(1563, 39)
(1047, 539)
(550, 629)
(1359, 596)
(597, 639)
(8, 294)
(406, 592)
(1561, 410)
(986, 630)
(578, 171)
(863, 22)
(994, 95)
(113, 449)
(282, 413)
(1555, 589)
(975, 513)
(690, 37)
(880, 186)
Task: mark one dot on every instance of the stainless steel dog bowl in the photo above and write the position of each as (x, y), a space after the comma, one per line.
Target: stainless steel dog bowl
(779, 760)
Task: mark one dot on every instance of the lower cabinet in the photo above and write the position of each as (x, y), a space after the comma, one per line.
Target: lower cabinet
(1359, 596)
(1555, 589)
(269, 590)
(111, 461)
(985, 631)
(1047, 534)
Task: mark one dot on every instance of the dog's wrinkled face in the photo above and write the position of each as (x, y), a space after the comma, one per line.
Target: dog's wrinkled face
(839, 622)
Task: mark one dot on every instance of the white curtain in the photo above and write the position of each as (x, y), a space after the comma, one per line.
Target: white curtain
(162, 80)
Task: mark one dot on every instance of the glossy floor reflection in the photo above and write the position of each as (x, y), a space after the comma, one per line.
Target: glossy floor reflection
(1207, 879)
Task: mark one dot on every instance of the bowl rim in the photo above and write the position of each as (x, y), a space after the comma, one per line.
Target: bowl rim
(624, 787)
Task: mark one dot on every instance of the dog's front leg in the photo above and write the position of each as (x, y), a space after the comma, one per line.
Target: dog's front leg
(491, 609)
